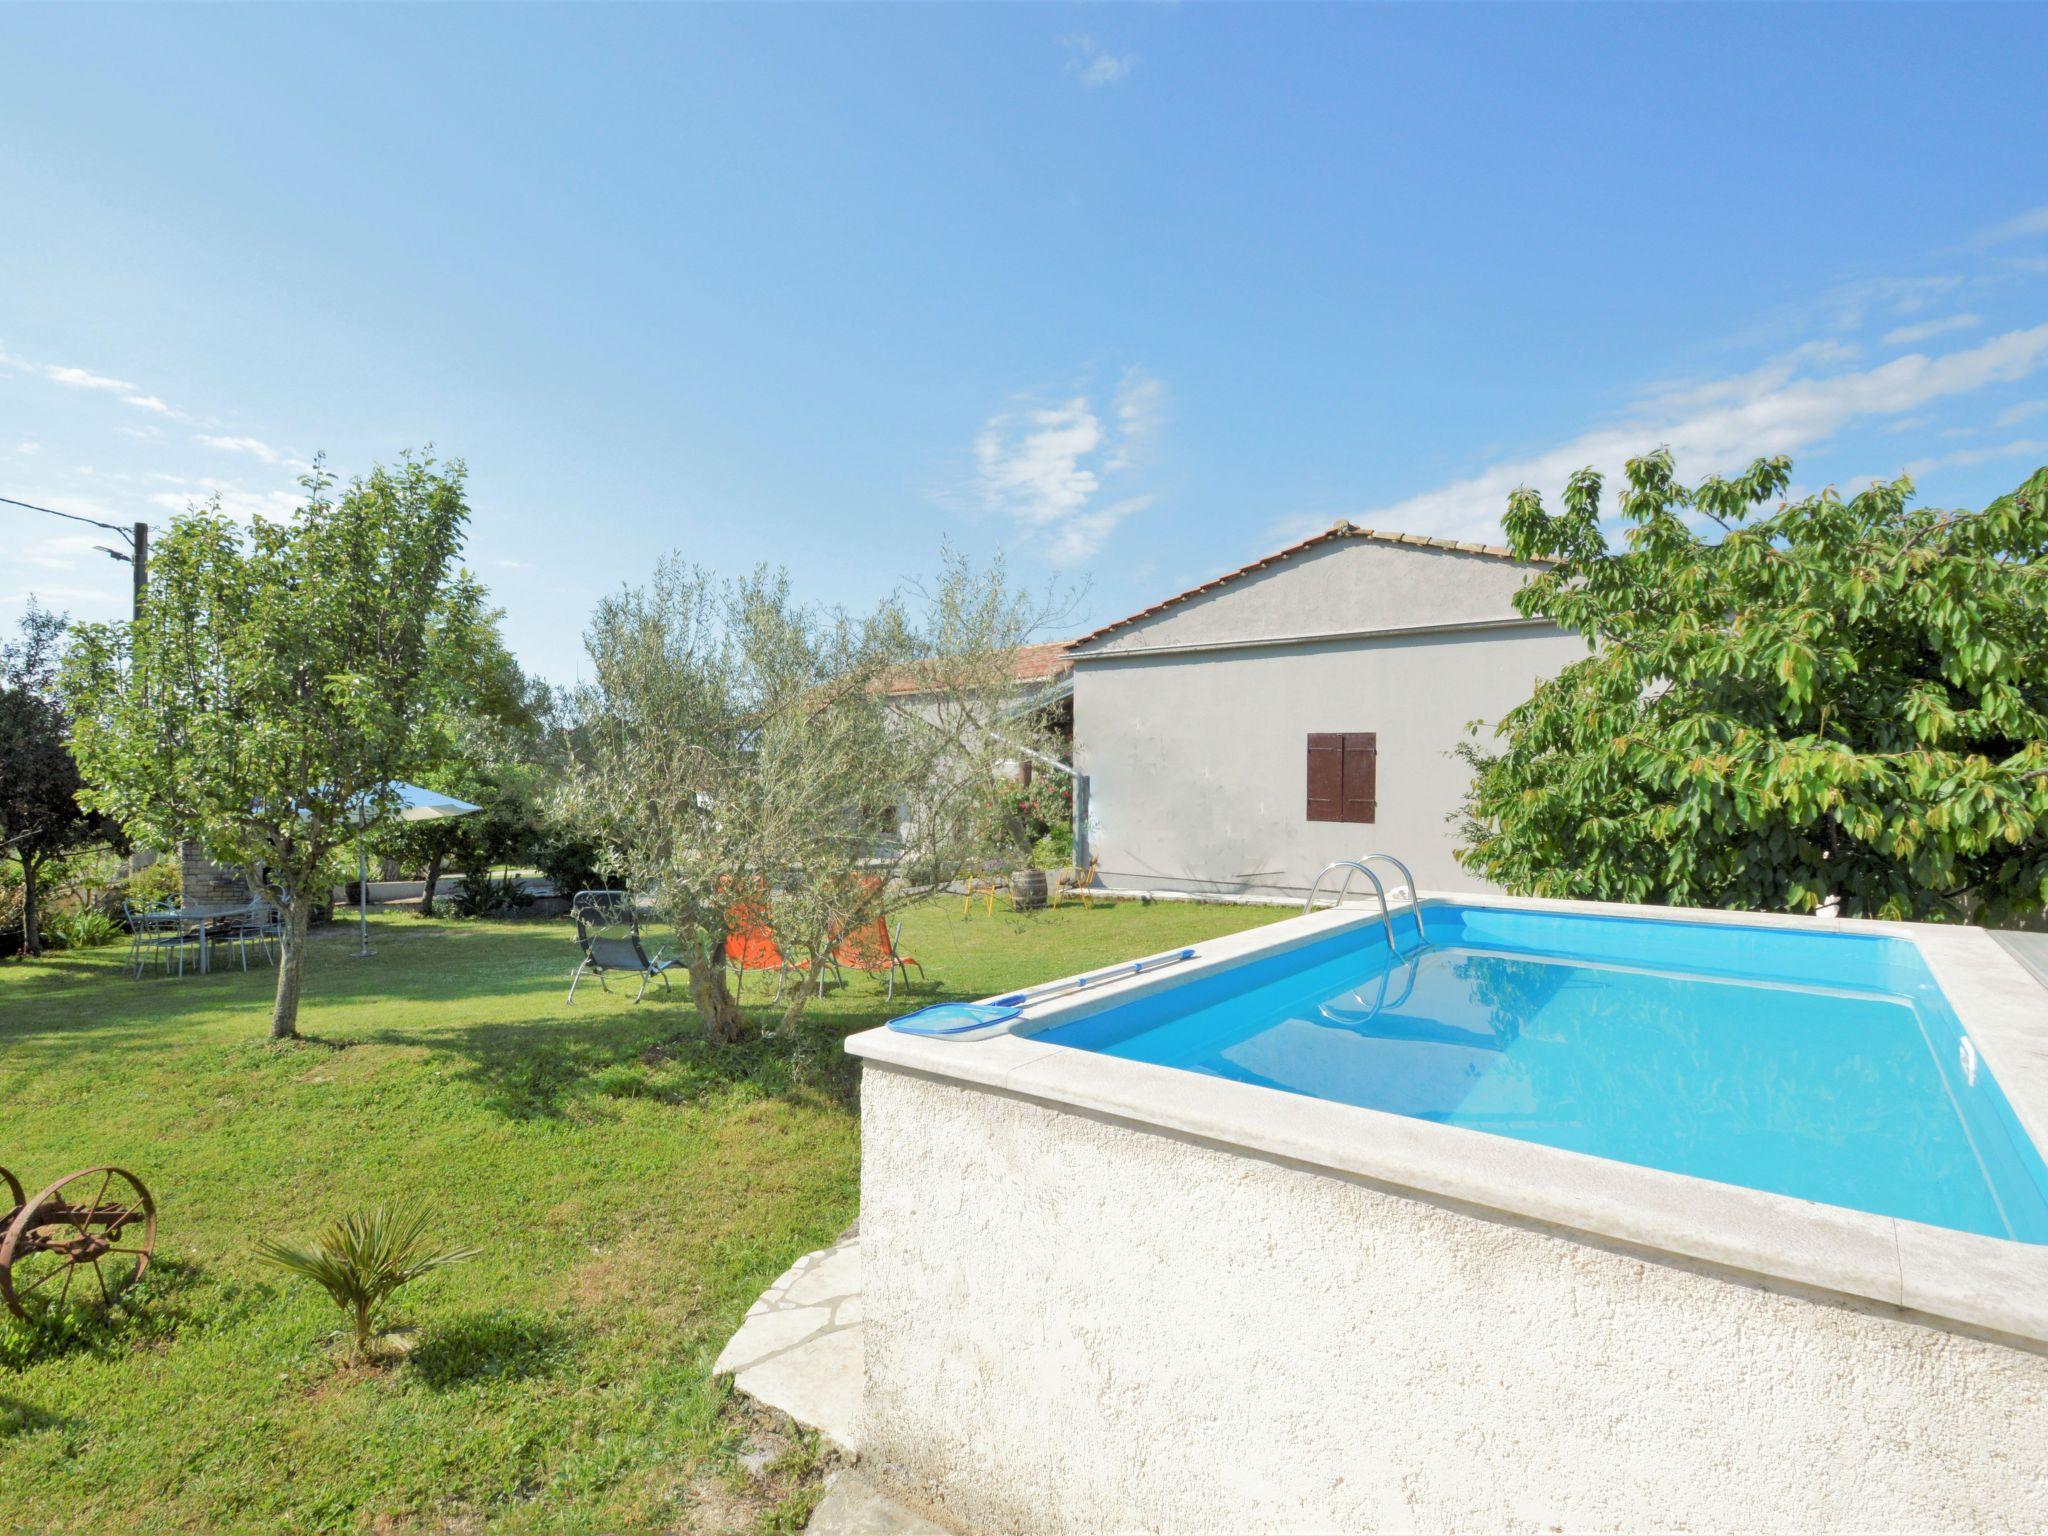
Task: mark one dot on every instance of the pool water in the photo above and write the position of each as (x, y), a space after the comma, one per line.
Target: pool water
(1828, 1066)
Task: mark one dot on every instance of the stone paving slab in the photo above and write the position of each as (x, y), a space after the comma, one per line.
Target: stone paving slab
(2030, 949)
(799, 1350)
(853, 1506)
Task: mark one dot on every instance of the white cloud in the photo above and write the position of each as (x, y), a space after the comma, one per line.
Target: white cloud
(1852, 303)
(255, 447)
(1927, 330)
(1094, 65)
(111, 599)
(2033, 222)
(84, 378)
(79, 378)
(2013, 415)
(1053, 467)
(63, 551)
(1140, 407)
(28, 448)
(1080, 537)
(1721, 425)
(1035, 463)
(1293, 527)
(1963, 457)
(236, 501)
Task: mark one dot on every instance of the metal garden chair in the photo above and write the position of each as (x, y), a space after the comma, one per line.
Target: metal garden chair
(257, 923)
(608, 933)
(156, 934)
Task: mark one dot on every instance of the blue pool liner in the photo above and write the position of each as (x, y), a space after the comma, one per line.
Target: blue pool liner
(955, 1021)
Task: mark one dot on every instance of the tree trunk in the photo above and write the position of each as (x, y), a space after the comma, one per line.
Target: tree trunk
(433, 879)
(803, 986)
(291, 966)
(31, 919)
(715, 1004)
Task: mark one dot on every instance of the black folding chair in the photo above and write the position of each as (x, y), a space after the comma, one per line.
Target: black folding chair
(608, 933)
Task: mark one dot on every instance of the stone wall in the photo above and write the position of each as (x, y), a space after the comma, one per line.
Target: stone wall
(1077, 1324)
(208, 884)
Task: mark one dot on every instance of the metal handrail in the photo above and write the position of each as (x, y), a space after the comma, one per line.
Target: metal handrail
(1414, 894)
(1386, 916)
(1379, 1005)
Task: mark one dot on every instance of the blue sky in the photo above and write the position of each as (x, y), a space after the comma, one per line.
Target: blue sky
(1131, 293)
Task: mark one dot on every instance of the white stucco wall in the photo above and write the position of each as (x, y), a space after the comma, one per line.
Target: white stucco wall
(1078, 1325)
(1197, 761)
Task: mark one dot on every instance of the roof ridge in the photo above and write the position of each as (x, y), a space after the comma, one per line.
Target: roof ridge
(1342, 528)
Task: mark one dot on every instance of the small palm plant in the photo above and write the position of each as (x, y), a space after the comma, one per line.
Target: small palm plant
(363, 1258)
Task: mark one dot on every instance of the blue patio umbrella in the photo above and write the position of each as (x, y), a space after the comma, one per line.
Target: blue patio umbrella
(412, 804)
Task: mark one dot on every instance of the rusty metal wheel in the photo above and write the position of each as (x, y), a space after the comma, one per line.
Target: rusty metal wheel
(14, 1196)
(92, 1231)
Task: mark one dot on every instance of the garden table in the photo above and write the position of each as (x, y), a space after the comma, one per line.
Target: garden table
(202, 919)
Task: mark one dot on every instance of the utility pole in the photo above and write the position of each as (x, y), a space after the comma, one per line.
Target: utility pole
(140, 560)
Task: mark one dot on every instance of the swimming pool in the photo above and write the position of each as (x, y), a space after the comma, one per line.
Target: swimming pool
(1822, 1065)
(1527, 1226)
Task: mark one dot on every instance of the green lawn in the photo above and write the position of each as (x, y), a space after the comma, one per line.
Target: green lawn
(632, 1189)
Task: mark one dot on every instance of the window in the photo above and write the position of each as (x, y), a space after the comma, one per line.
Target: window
(1343, 775)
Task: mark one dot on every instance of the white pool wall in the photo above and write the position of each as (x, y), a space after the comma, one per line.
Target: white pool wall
(1106, 1295)
(1106, 1328)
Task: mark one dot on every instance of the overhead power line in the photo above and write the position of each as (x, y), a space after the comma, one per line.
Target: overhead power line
(92, 522)
(136, 537)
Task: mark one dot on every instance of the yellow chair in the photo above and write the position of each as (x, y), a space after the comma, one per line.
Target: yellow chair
(1073, 881)
(989, 881)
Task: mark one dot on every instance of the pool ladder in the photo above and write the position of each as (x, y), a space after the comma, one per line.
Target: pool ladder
(1359, 866)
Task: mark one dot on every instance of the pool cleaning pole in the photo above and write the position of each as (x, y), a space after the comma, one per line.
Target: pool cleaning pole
(362, 891)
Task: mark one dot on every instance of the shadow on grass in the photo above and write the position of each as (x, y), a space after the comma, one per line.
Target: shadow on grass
(145, 1316)
(436, 979)
(21, 1417)
(489, 1346)
(539, 1070)
(93, 997)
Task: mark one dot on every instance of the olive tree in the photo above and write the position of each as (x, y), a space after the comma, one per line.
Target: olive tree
(744, 754)
(1826, 701)
(277, 678)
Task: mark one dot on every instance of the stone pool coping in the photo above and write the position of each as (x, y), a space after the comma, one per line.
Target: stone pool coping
(1978, 1284)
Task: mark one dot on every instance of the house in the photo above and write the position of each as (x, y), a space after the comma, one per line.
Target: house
(1039, 702)
(1240, 736)
(1042, 675)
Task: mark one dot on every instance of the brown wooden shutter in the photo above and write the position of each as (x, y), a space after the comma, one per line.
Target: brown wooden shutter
(1360, 782)
(1325, 776)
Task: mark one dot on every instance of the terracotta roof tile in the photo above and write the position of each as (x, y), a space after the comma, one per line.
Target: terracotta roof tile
(1032, 664)
(1338, 530)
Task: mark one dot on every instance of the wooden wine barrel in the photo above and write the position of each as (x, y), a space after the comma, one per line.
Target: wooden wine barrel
(1027, 889)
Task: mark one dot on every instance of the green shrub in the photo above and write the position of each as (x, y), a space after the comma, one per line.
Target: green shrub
(571, 863)
(88, 929)
(486, 895)
(1055, 850)
(154, 883)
